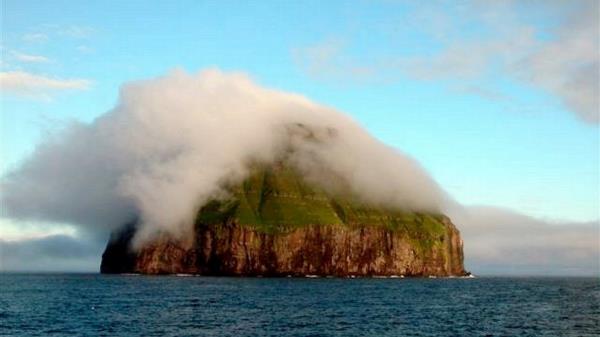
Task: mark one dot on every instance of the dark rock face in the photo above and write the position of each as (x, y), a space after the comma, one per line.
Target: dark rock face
(277, 225)
(118, 258)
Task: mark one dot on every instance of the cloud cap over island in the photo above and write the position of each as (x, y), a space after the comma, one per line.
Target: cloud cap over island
(172, 143)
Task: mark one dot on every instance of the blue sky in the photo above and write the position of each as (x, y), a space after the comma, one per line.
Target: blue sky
(459, 86)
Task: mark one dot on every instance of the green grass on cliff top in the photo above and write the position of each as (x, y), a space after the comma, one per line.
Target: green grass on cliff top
(278, 200)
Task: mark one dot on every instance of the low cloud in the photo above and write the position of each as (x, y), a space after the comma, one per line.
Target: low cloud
(497, 242)
(504, 242)
(37, 86)
(54, 253)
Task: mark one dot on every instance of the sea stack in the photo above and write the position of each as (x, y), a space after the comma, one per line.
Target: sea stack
(276, 224)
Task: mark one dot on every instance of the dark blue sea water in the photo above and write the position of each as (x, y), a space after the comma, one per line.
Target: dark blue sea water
(102, 305)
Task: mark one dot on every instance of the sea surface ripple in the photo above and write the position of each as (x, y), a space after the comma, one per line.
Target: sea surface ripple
(120, 305)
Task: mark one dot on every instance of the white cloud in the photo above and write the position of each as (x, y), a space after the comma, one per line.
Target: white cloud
(28, 58)
(32, 85)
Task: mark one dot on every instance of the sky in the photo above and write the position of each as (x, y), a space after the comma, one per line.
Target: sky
(498, 102)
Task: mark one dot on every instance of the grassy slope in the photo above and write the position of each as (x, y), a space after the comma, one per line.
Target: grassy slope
(278, 200)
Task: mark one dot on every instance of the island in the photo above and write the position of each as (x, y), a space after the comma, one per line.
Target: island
(275, 224)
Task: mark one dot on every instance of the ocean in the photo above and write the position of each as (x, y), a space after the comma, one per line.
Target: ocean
(121, 305)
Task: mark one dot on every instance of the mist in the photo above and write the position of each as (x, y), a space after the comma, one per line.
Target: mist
(173, 143)
(499, 241)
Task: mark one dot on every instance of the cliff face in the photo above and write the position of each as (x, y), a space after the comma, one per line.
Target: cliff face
(275, 225)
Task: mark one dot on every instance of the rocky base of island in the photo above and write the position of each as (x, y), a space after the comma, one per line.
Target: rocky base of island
(316, 251)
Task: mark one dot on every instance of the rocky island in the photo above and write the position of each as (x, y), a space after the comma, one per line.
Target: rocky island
(275, 224)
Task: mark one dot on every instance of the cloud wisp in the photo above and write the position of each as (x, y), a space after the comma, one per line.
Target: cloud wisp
(175, 142)
(563, 61)
(48, 32)
(27, 84)
(569, 66)
(35, 37)
(76, 32)
(29, 58)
